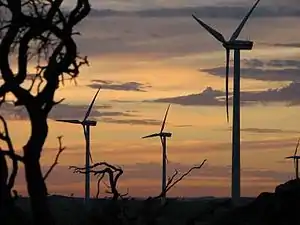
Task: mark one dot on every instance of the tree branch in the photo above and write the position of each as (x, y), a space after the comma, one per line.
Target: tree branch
(60, 150)
(113, 172)
(4, 136)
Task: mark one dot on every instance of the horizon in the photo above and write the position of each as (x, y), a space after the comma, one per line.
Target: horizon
(144, 61)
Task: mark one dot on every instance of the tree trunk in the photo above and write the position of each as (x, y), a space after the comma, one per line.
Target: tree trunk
(4, 192)
(36, 186)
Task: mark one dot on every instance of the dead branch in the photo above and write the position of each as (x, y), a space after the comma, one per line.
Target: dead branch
(113, 172)
(60, 150)
(174, 179)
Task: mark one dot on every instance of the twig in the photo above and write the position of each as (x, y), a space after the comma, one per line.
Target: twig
(172, 181)
(60, 150)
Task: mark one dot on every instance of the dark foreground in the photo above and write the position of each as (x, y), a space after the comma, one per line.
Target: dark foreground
(278, 208)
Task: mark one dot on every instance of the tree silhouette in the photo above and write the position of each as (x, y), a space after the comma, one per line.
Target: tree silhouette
(37, 34)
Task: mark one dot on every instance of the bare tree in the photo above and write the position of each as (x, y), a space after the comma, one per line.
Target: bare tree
(175, 178)
(38, 32)
(113, 172)
(151, 208)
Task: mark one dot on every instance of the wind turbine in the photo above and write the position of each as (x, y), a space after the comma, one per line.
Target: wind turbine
(237, 45)
(86, 124)
(163, 138)
(296, 158)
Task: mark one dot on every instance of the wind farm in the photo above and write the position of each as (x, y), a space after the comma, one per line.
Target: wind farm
(147, 58)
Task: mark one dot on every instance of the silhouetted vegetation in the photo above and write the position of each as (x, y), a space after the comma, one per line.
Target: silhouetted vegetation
(40, 33)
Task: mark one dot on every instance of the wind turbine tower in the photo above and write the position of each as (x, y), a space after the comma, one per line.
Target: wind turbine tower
(296, 158)
(163, 138)
(86, 124)
(237, 45)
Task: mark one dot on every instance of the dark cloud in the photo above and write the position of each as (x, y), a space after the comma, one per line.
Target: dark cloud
(284, 63)
(61, 111)
(132, 121)
(148, 122)
(272, 70)
(285, 74)
(204, 11)
(290, 95)
(9, 111)
(117, 86)
(268, 131)
(253, 63)
(292, 45)
(206, 98)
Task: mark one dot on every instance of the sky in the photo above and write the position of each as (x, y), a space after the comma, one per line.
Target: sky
(147, 54)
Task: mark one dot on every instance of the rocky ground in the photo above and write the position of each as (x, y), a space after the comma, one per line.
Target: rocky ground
(281, 207)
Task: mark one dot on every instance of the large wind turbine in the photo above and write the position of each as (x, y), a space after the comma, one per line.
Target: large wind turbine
(296, 158)
(86, 124)
(163, 138)
(237, 45)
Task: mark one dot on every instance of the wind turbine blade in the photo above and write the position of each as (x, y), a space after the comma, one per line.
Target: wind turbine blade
(91, 105)
(162, 143)
(90, 155)
(296, 150)
(240, 27)
(227, 81)
(151, 135)
(295, 153)
(164, 121)
(70, 121)
(211, 30)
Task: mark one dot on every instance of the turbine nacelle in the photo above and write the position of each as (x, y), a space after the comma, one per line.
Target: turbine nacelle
(89, 123)
(84, 123)
(238, 45)
(162, 134)
(293, 157)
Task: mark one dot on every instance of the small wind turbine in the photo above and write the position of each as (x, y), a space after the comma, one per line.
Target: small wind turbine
(86, 124)
(236, 45)
(163, 138)
(296, 158)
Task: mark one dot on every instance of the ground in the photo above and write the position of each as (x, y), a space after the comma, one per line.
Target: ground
(71, 211)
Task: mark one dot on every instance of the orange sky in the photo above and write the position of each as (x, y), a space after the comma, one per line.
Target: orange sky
(199, 132)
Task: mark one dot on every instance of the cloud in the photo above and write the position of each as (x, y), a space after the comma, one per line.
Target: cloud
(132, 121)
(117, 86)
(147, 122)
(292, 45)
(289, 95)
(268, 131)
(235, 12)
(290, 74)
(271, 70)
(61, 111)
(207, 97)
